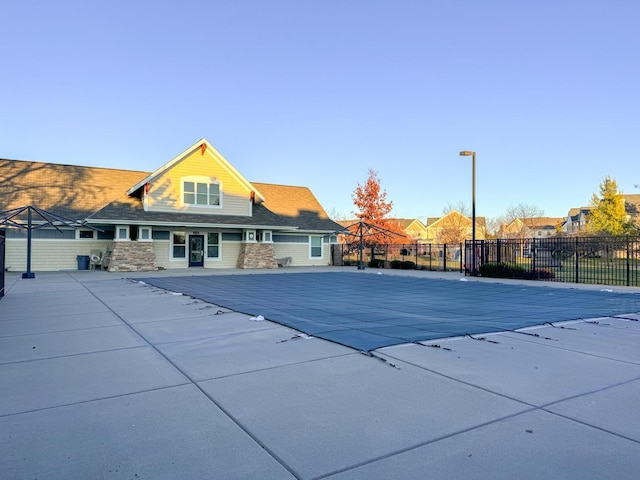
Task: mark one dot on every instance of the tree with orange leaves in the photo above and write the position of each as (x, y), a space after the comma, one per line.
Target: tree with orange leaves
(371, 200)
(373, 207)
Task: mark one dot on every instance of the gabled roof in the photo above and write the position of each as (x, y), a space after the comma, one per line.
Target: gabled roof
(575, 212)
(207, 149)
(407, 222)
(286, 207)
(100, 195)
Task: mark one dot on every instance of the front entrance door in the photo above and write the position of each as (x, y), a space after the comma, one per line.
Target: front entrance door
(196, 250)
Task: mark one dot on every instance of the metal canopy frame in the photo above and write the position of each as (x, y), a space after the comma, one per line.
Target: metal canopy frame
(363, 230)
(44, 219)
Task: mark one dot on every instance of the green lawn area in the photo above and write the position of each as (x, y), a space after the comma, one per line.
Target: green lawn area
(600, 271)
(594, 271)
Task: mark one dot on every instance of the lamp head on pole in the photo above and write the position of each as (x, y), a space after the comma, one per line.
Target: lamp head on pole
(466, 153)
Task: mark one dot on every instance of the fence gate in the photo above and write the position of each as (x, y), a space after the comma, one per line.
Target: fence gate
(2, 241)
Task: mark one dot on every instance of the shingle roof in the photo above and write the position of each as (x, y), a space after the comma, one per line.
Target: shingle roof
(405, 222)
(130, 209)
(67, 190)
(543, 222)
(296, 204)
(79, 192)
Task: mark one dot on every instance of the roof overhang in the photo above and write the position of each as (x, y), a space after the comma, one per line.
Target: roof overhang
(99, 221)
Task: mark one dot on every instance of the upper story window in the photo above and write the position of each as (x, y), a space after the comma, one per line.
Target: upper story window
(202, 193)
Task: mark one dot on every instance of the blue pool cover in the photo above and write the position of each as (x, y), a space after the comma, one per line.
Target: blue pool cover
(368, 311)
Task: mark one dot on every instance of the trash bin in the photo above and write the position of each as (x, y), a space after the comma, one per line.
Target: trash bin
(83, 262)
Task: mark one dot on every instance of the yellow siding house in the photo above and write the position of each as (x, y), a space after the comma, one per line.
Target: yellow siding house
(195, 211)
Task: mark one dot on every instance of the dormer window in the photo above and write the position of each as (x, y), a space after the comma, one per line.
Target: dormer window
(201, 193)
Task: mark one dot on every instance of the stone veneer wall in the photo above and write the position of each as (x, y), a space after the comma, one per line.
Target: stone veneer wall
(257, 255)
(132, 257)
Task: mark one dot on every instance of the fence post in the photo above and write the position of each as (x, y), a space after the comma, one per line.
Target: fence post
(444, 258)
(430, 259)
(461, 256)
(628, 264)
(577, 262)
(533, 254)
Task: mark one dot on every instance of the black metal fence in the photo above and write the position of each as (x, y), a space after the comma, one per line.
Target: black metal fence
(436, 257)
(595, 260)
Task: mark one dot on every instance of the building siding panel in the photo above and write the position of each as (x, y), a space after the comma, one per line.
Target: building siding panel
(50, 255)
(165, 193)
(299, 253)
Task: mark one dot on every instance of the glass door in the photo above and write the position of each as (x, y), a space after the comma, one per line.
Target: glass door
(196, 250)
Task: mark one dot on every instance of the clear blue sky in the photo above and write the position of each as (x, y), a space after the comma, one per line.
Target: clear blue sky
(314, 93)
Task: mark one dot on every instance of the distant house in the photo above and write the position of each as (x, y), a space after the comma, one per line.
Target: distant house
(578, 218)
(632, 207)
(413, 228)
(195, 211)
(454, 228)
(534, 227)
(576, 221)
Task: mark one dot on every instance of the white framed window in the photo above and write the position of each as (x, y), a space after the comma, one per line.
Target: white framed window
(86, 234)
(122, 233)
(213, 245)
(265, 236)
(201, 192)
(144, 234)
(315, 247)
(249, 236)
(179, 245)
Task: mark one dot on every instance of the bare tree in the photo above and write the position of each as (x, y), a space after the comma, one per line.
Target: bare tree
(337, 215)
(493, 226)
(455, 224)
(459, 207)
(524, 212)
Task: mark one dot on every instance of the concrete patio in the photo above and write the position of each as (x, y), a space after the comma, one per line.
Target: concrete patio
(103, 376)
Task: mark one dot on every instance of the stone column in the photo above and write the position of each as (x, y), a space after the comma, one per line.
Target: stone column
(132, 257)
(257, 255)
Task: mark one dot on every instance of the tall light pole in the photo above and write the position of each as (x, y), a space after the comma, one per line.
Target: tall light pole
(467, 153)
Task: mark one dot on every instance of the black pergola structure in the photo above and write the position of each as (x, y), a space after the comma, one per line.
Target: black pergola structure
(363, 230)
(16, 218)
